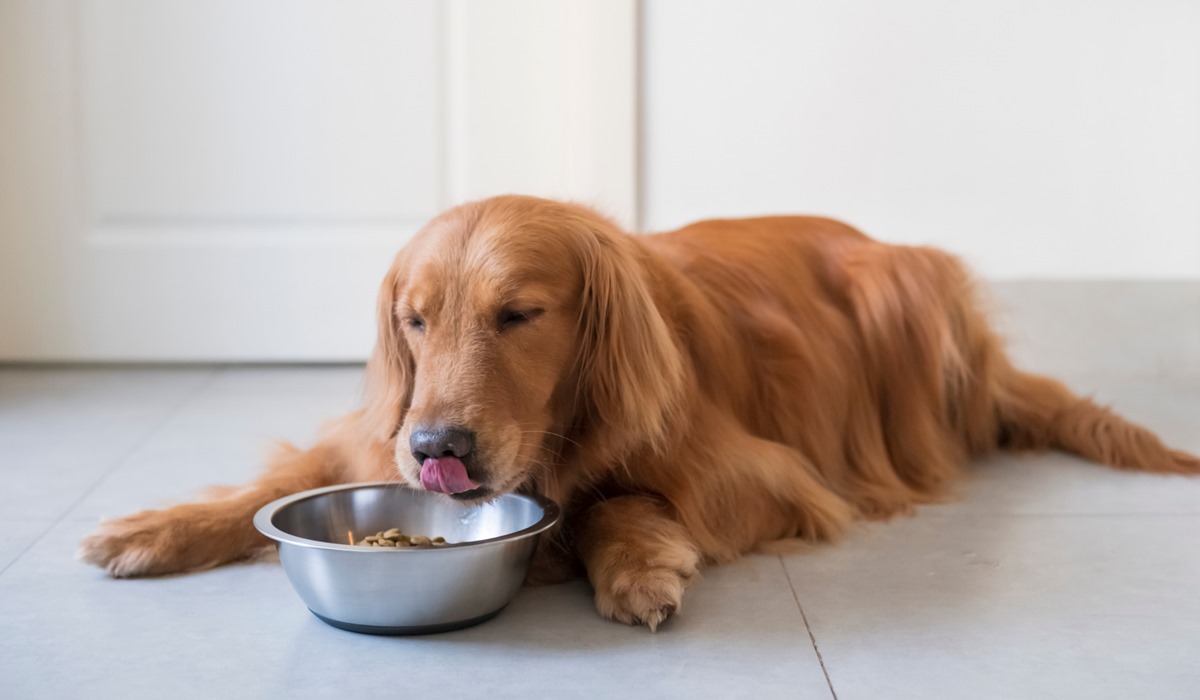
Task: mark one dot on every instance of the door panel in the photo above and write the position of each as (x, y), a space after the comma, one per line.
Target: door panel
(201, 180)
(232, 112)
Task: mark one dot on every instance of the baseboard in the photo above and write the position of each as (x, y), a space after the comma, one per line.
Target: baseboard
(1135, 328)
(1071, 328)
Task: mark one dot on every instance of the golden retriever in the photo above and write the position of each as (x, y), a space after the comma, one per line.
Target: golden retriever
(684, 396)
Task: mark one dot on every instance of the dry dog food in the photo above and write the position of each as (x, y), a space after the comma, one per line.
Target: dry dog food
(395, 538)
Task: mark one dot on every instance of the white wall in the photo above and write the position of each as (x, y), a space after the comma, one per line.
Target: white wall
(1039, 138)
(164, 200)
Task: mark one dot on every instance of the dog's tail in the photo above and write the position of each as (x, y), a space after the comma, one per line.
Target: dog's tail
(1039, 412)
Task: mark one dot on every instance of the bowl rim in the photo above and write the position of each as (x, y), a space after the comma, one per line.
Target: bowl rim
(265, 515)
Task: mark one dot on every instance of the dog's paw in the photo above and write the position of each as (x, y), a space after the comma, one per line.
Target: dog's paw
(136, 545)
(642, 596)
(150, 543)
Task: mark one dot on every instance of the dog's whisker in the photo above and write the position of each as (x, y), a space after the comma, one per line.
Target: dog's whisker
(549, 433)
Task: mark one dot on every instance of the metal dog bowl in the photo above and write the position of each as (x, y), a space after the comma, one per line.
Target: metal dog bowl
(391, 590)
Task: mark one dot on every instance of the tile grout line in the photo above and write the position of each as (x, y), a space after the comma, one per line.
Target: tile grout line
(117, 462)
(811, 637)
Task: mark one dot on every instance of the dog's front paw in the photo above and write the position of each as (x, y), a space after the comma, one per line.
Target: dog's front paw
(142, 544)
(156, 542)
(641, 596)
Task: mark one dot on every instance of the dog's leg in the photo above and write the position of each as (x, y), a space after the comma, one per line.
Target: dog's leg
(209, 533)
(638, 558)
(1038, 412)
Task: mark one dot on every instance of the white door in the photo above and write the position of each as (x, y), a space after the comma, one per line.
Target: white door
(228, 179)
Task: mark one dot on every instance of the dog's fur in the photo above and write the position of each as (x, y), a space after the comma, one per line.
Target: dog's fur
(685, 396)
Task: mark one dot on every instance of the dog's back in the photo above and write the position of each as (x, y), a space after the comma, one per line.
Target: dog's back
(875, 360)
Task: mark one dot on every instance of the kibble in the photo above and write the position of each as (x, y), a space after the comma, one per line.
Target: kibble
(395, 538)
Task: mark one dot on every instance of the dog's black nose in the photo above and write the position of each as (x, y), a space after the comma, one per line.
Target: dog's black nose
(441, 441)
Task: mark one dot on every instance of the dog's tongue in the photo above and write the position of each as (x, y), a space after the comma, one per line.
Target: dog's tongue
(446, 475)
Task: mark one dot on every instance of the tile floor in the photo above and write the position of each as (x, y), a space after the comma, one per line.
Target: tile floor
(1049, 578)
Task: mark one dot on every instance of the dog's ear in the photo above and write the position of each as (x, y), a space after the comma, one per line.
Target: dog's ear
(390, 369)
(631, 368)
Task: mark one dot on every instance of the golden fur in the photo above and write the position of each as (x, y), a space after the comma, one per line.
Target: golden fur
(685, 396)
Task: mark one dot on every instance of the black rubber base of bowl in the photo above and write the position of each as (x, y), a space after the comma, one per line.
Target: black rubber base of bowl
(397, 631)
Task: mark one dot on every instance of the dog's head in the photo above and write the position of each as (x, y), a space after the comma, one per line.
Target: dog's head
(509, 328)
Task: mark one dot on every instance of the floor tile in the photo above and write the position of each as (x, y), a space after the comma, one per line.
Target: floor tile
(240, 631)
(1008, 607)
(1049, 577)
(1117, 327)
(223, 435)
(18, 535)
(343, 380)
(61, 430)
(1057, 483)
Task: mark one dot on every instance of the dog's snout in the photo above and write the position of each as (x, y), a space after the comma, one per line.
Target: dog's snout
(441, 441)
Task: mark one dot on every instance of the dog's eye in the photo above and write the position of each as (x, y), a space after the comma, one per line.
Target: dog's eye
(509, 318)
(415, 322)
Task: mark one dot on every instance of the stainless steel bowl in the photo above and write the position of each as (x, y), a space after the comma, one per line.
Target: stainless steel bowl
(399, 590)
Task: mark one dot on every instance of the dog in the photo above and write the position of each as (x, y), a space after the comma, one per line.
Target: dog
(684, 396)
